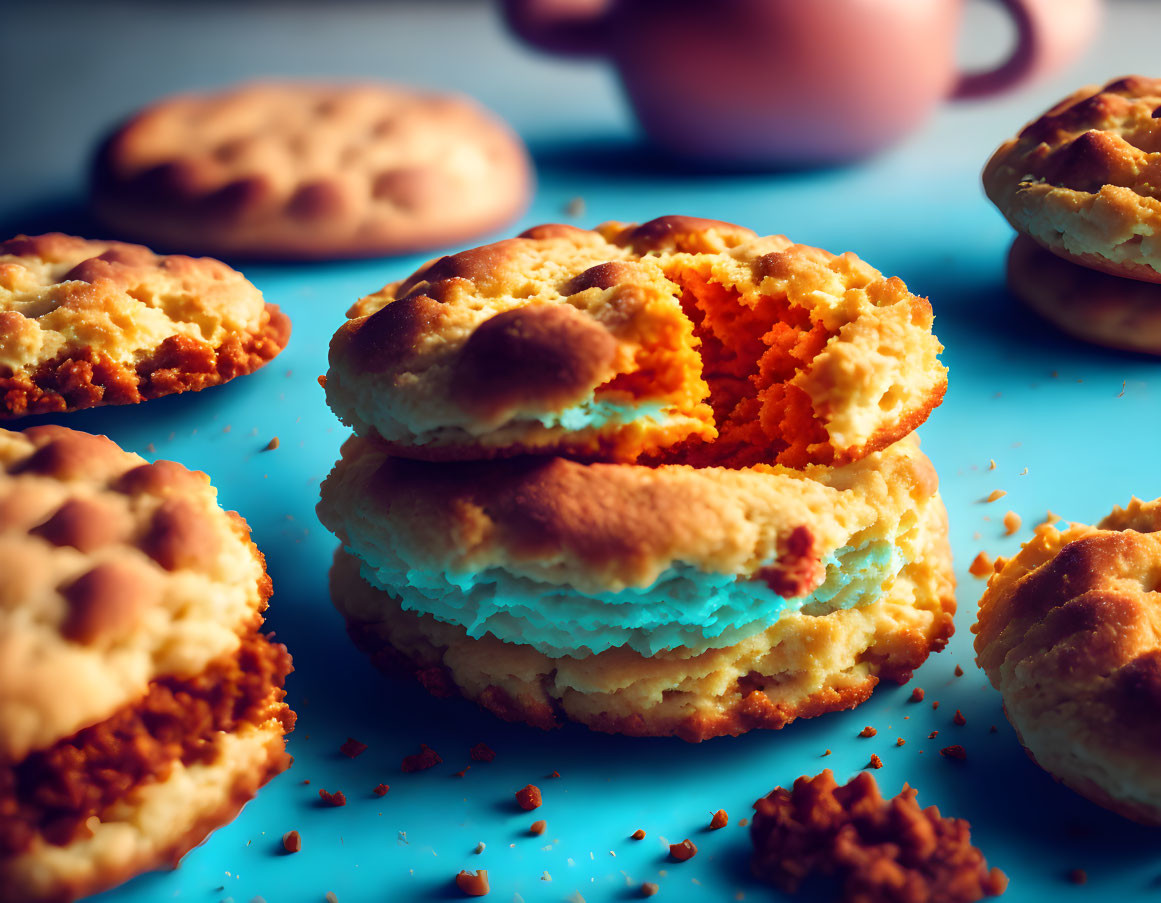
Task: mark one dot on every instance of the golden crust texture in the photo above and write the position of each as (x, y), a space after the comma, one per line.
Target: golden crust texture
(86, 323)
(679, 340)
(116, 572)
(1069, 632)
(801, 666)
(1088, 304)
(1084, 180)
(310, 170)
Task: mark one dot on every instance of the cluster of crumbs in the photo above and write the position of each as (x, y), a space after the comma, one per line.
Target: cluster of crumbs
(881, 851)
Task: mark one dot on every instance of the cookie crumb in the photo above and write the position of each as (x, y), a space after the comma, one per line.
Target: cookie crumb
(1012, 523)
(981, 565)
(528, 797)
(638, 835)
(381, 790)
(537, 827)
(1023, 473)
(917, 694)
(958, 719)
(991, 463)
(1078, 876)
(272, 444)
(575, 208)
(425, 758)
(292, 841)
(900, 742)
(482, 752)
(868, 731)
(1049, 519)
(995, 495)
(555, 774)
(825, 754)
(719, 820)
(742, 822)
(954, 752)
(875, 762)
(331, 897)
(874, 847)
(958, 671)
(935, 705)
(993, 730)
(332, 799)
(933, 735)
(352, 748)
(480, 847)
(473, 884)
(649, 889)
(463, 771)
(683, 851)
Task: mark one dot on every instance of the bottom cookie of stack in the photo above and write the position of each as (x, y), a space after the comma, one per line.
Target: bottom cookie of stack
(141, 788)
(868, 597)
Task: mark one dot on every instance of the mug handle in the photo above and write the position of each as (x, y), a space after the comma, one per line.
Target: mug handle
(568, 27)
(1049, 34)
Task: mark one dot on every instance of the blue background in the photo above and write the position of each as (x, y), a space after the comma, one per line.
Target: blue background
(1048, 409)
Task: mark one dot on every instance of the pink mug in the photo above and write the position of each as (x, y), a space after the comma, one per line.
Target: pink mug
(792, 82)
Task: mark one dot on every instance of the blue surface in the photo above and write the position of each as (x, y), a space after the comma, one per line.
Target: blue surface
(1049, 410)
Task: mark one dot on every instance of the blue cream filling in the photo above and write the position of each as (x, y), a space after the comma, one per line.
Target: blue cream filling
(594, 414)
(685, 608)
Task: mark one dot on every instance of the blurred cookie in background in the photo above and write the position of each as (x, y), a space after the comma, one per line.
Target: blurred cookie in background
(310, 171)
(140, 705)
(86, 323)
(1090, 305)
(1084, 179)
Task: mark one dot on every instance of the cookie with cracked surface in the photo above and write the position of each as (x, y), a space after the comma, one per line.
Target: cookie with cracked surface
(637, 600)
(1084, 179)
(679, 340)
(1088, 304)
(139, 705)
(310, 170)
(1067, 633)
(86, 323)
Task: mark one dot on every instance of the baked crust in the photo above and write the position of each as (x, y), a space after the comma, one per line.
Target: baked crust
(310, 170)
(1084, 179)
(1067, 633)
(116, 572)
(801, 666)
(679, 340)
(85, 323)
(1088, 304)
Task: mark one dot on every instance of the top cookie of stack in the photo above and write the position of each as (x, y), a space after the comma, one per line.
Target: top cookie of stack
(1084, 179)
(677, 341)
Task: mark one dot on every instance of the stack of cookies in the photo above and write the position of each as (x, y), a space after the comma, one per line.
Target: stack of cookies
(1082, 186)
(140, 707)
(658, 479)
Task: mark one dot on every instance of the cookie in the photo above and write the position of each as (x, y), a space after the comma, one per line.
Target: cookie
(1067, 634)
(880, 851)
(1084, 180)
(668, 600)
(85, 323)
(306, 171)
(1088, 304)
(680, 340)
(139, 705)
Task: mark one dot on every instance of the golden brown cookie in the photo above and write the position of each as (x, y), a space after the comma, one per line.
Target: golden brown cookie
(646, 601)
(1068, 633)
(86, 323)
(1088, 304)
(139, 705)
(310, 171)
(1084, 180)
(679, 340)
